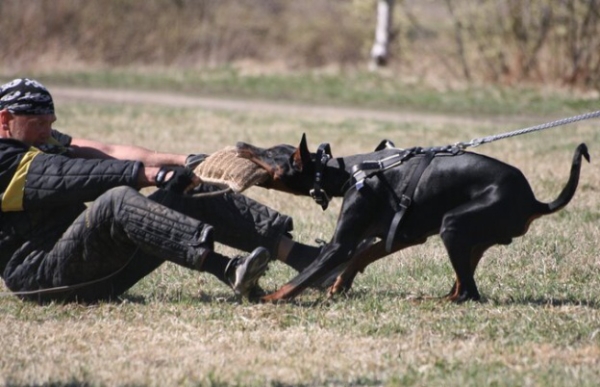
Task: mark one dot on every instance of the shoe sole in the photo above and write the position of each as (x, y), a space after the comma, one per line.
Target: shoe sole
(254, 268)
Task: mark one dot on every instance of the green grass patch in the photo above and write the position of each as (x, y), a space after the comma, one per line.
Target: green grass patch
(356, 88)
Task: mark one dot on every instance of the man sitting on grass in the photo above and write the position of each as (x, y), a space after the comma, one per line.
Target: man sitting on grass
(54, 247)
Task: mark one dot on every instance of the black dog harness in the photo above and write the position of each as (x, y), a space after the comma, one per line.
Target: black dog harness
(366, 169)
(370, 168)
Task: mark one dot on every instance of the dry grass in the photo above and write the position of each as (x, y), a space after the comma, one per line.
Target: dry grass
(539, 324)
(444, 44)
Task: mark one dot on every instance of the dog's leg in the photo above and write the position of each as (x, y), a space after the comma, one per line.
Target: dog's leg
(467, 232)
(357, 264)
(364, 258)
(328, 260)
(475, 256)
(465, 288)
(356, 215)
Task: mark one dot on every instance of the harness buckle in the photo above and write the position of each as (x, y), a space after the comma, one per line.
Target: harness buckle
(405, 202)
(359, 176)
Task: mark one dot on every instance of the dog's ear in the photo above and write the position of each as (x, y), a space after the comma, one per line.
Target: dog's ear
(301, 156)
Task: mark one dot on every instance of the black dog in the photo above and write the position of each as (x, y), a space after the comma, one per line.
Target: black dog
(396, 198)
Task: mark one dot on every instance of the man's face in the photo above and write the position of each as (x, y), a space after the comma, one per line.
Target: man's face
(30, 129)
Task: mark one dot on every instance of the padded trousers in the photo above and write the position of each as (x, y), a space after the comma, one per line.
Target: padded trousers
(123, 236)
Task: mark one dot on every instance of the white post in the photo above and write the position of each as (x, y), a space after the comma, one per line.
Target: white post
(379, 52)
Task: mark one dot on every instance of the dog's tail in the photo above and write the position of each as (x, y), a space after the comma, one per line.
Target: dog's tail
(569, 190)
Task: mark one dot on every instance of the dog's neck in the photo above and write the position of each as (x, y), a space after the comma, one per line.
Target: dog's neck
(338, 173)
(335, 176)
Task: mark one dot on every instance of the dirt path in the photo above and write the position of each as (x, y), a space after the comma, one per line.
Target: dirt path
(69, 94)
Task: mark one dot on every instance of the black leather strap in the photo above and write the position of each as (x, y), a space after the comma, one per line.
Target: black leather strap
(405, 199)
(318, 193)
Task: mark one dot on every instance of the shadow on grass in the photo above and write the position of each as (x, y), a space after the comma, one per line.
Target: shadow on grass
(369, 294)
(314, 298)
(178, 298)
(543, 301)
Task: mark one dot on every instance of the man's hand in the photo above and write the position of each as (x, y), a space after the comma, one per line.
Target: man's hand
(176, 179)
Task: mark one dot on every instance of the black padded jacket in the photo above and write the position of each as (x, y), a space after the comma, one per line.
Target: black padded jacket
(43, 190)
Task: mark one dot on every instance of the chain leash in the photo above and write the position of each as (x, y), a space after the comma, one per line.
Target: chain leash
(483, 140)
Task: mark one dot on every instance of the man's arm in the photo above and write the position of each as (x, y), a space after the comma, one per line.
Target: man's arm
(89, 149)
(151, 160)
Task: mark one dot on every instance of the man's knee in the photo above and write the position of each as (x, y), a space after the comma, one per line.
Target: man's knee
(110, 203)
(116, 195)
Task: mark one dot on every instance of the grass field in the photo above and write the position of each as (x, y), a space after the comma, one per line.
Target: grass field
(381, 90)
(539, 323)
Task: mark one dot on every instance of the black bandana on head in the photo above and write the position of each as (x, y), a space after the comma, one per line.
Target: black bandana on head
(23, 96)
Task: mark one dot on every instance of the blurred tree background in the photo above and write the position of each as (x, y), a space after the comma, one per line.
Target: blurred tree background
(448, 42)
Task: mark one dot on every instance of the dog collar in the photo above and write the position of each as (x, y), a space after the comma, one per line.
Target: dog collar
(318, 193)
